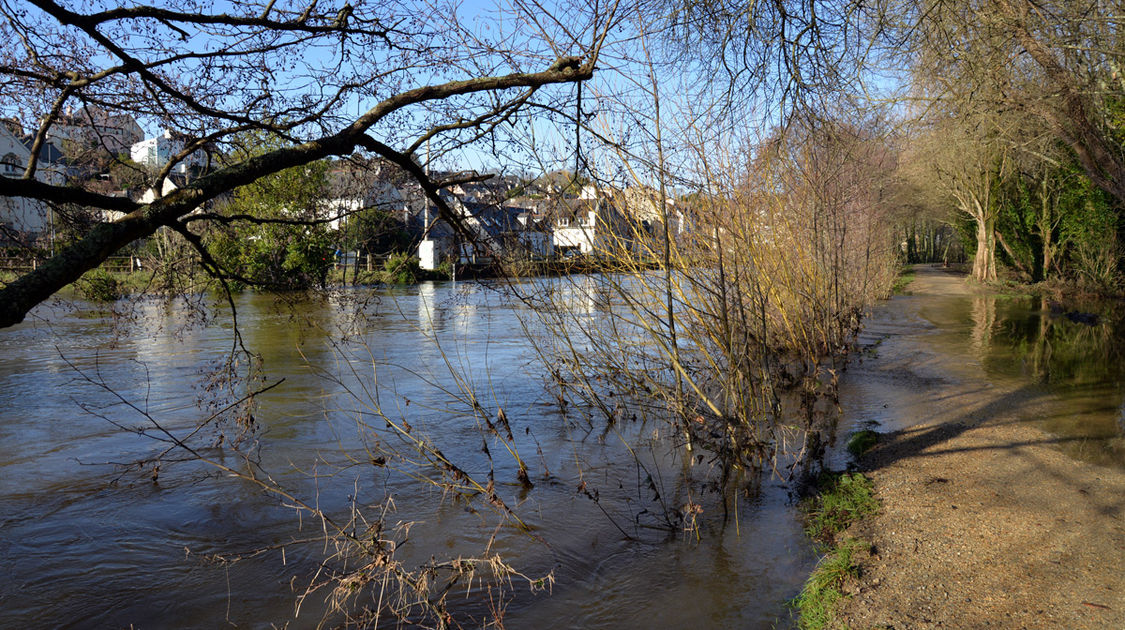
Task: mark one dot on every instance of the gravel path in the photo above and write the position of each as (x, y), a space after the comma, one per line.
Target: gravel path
(985, 522)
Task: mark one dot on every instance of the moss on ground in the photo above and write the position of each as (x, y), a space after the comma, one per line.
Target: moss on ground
(862, 441)
(905, 277)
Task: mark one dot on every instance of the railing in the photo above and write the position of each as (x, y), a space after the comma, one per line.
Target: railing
(367, 262)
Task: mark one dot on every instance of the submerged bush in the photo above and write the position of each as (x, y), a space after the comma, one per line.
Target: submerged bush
(401, 269)
(100, 286)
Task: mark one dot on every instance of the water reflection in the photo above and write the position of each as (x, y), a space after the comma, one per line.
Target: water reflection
(984, 320)
(81, 550)
(1073, 351)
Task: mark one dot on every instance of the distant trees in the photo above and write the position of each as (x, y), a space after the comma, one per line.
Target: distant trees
(1017, 102)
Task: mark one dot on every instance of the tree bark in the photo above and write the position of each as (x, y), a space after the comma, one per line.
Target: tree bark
(984, 264)
(1012, 255)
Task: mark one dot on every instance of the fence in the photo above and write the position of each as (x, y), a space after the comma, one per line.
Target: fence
(117, 264)
(368, 262)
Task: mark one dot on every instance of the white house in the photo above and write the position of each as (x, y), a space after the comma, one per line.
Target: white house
(592, 226)
(352, 188)
(158, 151)
(24, 215)
(641, 204)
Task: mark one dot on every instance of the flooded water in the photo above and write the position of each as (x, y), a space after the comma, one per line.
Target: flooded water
(1073, 353)
(88, 542)
(1064, 359)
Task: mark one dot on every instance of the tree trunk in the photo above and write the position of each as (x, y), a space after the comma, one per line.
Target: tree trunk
(1046, 228)
(984, 264)
(1012, 255)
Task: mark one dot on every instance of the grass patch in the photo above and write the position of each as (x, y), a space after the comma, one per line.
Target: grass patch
(862, 441)
(905, 277)
(843, 499)
(816, 604)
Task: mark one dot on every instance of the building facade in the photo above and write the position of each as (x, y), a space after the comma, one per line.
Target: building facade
(158, 151)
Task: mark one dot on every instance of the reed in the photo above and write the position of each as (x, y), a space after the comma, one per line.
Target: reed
(728, 314)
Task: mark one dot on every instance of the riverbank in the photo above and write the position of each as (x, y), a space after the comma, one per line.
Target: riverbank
(985, 522)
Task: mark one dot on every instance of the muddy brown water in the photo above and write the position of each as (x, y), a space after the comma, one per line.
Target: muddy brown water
(83, 545)
(1070, 374)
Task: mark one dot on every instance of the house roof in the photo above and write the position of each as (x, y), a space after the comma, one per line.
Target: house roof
(358, 176)
(486, 221)
(48, 153)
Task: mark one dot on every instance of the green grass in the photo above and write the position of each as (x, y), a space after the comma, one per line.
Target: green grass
(843, 499)
(905, 277)
(862, 441)
(816, 605)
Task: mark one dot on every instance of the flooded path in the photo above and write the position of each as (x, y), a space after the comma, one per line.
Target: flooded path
(1001, 472)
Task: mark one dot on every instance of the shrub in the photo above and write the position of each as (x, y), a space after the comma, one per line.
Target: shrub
(100, 286)
(401, 269)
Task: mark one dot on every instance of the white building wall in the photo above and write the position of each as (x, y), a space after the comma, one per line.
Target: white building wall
(428, 257)
(158, 151)
(22, 214)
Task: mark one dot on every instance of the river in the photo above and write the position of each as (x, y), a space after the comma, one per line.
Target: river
(88, 542)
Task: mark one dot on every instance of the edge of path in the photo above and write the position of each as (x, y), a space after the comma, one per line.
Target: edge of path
(984, 522)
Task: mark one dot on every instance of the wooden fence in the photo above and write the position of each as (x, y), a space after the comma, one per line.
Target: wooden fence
(116, 264)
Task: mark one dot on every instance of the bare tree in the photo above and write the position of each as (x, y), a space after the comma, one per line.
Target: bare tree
(1056, 62)
(408, 73)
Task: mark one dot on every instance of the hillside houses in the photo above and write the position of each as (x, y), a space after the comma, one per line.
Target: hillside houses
(494, 232)
(591, 226)
(356, 185)
(89, 131)
(157, 151)
(598, 222)
(642, 204)
(499, 217)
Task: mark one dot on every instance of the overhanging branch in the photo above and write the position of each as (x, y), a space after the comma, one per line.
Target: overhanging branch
(142, 220)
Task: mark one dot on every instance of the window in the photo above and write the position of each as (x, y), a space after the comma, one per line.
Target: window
(10, 164)
(564, 221)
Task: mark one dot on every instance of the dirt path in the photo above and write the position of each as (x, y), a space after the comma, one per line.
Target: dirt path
(985, 522)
